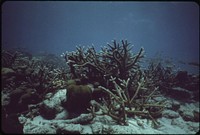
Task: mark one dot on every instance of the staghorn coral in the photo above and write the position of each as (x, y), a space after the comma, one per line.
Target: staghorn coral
(28, 72)
(114, 60)
(27, 79)
(117, 72)
(123, 58)
(161, 73)
(120, 105)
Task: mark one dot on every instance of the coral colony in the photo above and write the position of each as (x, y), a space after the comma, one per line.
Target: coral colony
(109, 82)
(117, 72)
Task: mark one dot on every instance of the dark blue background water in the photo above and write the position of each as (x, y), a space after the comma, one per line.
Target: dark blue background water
(168, 28)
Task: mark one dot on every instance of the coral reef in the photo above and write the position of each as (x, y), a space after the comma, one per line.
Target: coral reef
(171, 122)
(128, 90)
(95, 92)
(177, 84)
(26, 80)
(118, 73)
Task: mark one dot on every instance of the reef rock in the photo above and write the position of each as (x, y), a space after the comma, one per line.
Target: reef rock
(170, 114)
(81, 125)
(196, 115)
(7, 75)
(182, 77)
(104, 124)
(187, 116)
(7, 72)
(52, 106)
(181, 94)
(189, 112)
(5, 98)
(36, 126)
(175, 105)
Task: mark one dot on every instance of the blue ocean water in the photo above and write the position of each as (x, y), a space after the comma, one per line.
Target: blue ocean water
(168, 28)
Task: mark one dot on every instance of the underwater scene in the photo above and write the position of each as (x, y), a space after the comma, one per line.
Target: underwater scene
(72, 67)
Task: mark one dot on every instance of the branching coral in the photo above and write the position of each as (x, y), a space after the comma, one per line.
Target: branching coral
(26, 72)
(129, 91)
(160, 75)
(114, 60)
(120, 105)
(123, 58)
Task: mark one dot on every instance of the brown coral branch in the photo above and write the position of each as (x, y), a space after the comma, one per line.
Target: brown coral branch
(138, 88)
(136, 58)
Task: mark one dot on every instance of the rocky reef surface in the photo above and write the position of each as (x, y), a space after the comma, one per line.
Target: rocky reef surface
(178, 118)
